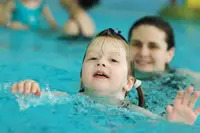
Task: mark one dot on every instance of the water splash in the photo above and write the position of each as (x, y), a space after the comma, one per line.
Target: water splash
(48, 97)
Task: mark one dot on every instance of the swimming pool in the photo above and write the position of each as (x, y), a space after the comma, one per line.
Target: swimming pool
(56, 63)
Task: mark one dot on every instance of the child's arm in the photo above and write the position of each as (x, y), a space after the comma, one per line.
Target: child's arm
(49, 17)
(31, 87)
(183, 107)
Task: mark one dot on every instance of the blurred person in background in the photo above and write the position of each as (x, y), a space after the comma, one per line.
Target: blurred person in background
(5, 11)
(26, 14)
(79, 23)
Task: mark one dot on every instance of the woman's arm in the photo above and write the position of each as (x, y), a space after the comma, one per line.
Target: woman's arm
(182, 111)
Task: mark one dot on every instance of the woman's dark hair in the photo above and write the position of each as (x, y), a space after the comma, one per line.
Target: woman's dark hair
(159, 23)
(87, 4)
(116, 34)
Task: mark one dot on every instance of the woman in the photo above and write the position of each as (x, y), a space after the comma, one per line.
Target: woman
(152, 47)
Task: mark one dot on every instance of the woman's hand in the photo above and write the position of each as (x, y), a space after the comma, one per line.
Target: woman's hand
(183, 107)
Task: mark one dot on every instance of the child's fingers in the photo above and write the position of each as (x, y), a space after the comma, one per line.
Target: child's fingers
(27, 87)
(38, 93)
(179, 98)
(193, 100)
(21, 87)
(14, 88)
(197, 111)
(187, 95)
(35, 88)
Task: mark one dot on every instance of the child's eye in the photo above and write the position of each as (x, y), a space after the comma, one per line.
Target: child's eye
(113, 60)
(93, 58)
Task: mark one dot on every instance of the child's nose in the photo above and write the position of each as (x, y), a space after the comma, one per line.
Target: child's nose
(101, 64)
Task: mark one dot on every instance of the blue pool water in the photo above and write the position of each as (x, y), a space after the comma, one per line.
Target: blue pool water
(56, 63)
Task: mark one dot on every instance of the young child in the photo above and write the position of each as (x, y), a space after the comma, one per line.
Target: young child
(79, 23)
(27, 14)
(107, 73)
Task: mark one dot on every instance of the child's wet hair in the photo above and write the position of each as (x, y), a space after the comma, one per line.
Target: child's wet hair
(159, 23)
(112, 33)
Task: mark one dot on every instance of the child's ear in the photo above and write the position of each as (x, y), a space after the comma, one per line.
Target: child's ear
(129, 84)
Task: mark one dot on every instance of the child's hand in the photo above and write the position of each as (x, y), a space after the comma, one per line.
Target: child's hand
(27, 87)
(183, 107)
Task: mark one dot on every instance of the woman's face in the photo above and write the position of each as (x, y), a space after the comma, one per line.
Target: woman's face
(149, 49)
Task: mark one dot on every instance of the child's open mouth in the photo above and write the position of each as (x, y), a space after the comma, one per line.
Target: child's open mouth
(100, 74)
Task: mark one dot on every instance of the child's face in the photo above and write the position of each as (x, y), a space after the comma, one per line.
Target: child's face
(105, 70)
(149, 49)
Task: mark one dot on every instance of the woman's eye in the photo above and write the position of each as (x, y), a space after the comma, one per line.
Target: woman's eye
(137, 44)
(153, 46)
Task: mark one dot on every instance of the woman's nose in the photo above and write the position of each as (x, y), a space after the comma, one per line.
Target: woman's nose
(144, 51)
